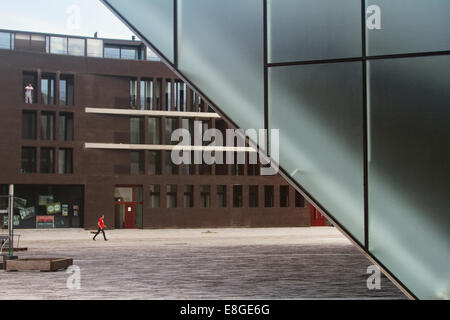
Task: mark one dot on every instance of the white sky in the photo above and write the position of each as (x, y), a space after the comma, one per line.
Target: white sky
(74, 17)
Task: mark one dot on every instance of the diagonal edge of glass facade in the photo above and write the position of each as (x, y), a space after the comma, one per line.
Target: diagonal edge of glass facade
(361, 147)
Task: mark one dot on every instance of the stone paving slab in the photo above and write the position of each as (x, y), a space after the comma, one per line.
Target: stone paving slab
(266, 263)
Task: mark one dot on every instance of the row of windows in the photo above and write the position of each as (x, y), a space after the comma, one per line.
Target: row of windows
(72, 46)
(155, 166)
(205, 191)
(47, 125)
(175, 93)
(48, 87)
(47, 160)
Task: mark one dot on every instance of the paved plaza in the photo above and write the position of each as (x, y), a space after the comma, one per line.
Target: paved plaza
(267, 263)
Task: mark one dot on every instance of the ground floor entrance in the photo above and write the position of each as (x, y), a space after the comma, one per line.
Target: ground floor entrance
(128, 207)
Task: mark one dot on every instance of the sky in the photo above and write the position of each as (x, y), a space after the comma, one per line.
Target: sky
(73, 17)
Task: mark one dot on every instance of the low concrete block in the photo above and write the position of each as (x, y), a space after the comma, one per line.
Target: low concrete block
(38, 264)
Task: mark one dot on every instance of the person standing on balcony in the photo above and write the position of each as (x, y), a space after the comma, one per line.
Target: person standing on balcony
(29, 94)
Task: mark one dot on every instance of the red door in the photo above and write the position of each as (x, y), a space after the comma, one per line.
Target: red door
(317, 219)
(129, 216)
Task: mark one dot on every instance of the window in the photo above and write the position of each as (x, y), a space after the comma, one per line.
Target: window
(47, 160)
(222, 196)
(47, 126)
(28, 160)
(58, 45)
(112, 52)
(151, 56)
(129, 53)
(94, 48)
(66, 90)
(158, 95)
(187, 168)
(29, 77)
(65, 164)
(133, 93)
(136, 130)
(188, 198)
(154, 130)
(76, 47)
(5, 40)
(193, 100)
(299, 200)
(147, 94)
(171, 126)
(65, 126)
(284, 196)
(171, 168)
(253, 165)
(37, 43)
(137, 162)
(237, 196)
(180, 96)
(169, 94)
(201, 104)
(171, 196)
(155, 196)
(154, 167)
(22, 41)
(268, 196)
(238, 164)
(205, 196)
(253, 196)
(29, 122)
(48, 88)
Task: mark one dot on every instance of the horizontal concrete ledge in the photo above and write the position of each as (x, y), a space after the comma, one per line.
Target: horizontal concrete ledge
(123, 146)
(154, 113)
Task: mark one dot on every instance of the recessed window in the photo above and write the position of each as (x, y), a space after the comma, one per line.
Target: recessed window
(136, 130)
(188, 198)
(47, 126)
(94, 48)
(237, 196)
(155, 195)
(154, 130)
(171, 196)
(205, 196)
(65, 161)
(137, 162)
(268, 196)
(253, 196)
(48, 88)
(29, 125)
(171, 168)
(299, 200)
(76, 47)
(154, 167)
(47, 160)
(28, 160)
(284, 196)
(58, 45)
(66, 126)
(66, 90)
(169, 94)
(222, 196)
(147, 94)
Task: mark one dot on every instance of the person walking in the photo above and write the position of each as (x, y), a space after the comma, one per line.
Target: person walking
(28, 94)
(101, 227)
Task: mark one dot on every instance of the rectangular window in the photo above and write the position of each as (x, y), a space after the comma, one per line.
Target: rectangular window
(28, 160)
(171, 168)
(237, 196)
(133, 94)
(171, 126)
(66, 90)
(22, 41)
(205, 196)
(171, 196)
(154, 130)
(47, 126)
(111, 52)
(253, 165)
(29, 123)
(155, 196)
(5, 40)
(95, 48)
(284, 196)
(169, 94)
(201, 104)
(188, 198)
(253, 196)
(237, 168)
(58, 45)
(37, 43)
(193, 100)
(76, 47)
(48, 88)
(180, 96)
(129, 54)
(222, 196)
(137, 162)
(136, 130)
(268, 196)
(29, 85)
(47, 160)
(65, 161)
(187, 168)
(147, 94)
(66, 126)
(154, 167)
(158, 94)
(299, 200)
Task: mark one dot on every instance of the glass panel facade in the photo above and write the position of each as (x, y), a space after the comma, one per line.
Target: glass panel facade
(301, 30)
(155, 17)
(5, 40)
(322, 134)
(76, 47)
(409, 170)
(203, 54)
(58, 45)
(112, 52)
(94, 48)
(410, 26)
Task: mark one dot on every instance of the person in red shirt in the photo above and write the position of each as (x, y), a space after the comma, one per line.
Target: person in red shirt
(101, 227)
